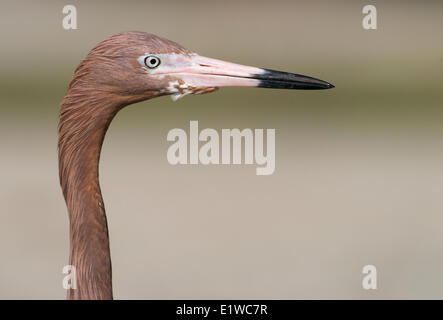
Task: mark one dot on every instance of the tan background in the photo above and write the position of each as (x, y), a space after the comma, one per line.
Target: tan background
(358, 175)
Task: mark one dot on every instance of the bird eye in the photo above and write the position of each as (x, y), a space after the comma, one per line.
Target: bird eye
(152, 62)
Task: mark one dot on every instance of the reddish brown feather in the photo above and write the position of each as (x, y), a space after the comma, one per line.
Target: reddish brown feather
(108, 79)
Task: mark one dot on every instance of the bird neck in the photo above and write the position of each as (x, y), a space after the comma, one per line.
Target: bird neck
(82, 128)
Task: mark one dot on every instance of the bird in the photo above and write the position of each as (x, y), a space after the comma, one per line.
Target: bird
(123, 69)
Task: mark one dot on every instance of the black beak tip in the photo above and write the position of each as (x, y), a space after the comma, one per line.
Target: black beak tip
(286, 80)
(317, 84)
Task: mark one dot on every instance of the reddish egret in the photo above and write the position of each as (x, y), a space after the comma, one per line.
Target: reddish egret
(123, 69)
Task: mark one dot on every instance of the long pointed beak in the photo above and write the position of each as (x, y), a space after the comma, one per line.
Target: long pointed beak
(205, 72)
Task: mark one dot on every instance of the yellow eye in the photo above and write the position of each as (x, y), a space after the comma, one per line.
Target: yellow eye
(152, 62)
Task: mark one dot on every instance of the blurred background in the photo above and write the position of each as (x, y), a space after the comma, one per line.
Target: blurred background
(359, 168)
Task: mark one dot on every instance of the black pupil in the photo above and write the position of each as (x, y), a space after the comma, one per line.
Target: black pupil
(153, 61)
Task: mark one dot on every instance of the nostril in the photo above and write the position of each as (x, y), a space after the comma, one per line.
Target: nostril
(204, 65)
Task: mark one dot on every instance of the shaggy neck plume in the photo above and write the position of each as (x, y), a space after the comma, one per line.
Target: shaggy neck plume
(93, 99)
(82, 128)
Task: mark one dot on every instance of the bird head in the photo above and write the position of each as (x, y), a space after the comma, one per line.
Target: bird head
(135, 66)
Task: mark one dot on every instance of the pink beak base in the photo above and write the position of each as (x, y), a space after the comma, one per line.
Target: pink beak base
(208, 72)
